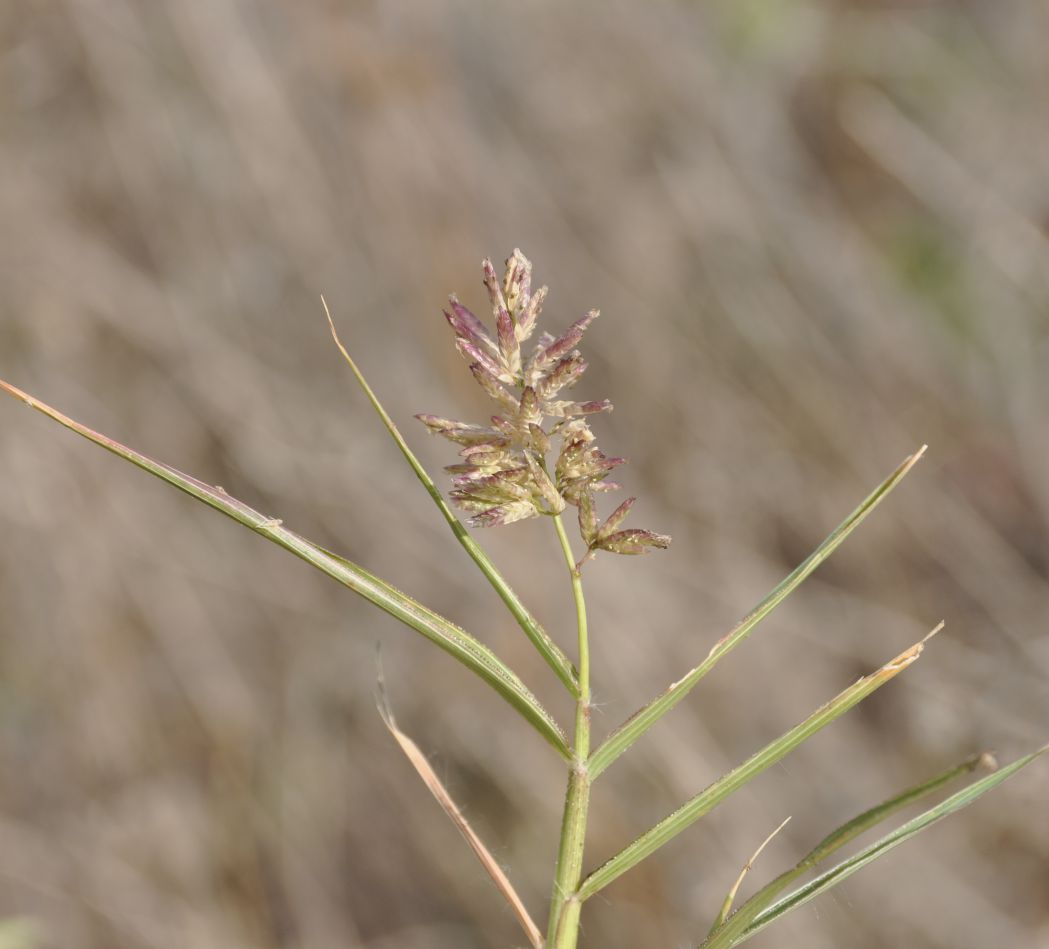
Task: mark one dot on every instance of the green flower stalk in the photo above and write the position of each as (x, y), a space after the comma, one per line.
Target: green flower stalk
(504, 475)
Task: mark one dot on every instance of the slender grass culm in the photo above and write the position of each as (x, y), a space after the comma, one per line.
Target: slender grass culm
(538, 458)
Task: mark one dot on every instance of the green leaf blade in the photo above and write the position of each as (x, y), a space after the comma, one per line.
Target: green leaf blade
(477, 657)
(546, 647)
(704, 802)
(724, 935)
(635, 726)
(846, 868)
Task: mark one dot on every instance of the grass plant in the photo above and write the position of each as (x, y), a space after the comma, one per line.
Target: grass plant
(538, 458)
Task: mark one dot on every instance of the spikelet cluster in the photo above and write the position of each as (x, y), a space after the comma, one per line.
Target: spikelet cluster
(505, 475)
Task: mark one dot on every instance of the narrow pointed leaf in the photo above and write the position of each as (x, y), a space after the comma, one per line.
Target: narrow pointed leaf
(440, 792)
(546, 647)
(846, 868)
(478, 658)
(704, 802)
(830, 844)
(635, 726)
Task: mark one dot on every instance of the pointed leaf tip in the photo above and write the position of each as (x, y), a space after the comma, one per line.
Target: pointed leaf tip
(465, 648)
(956, 802)
(435, 786)
(635, 726)
(726, 906)
(704, 802)
(727, 934)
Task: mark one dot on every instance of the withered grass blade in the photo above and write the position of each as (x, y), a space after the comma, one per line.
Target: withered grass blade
(726, 906)
(448, 805)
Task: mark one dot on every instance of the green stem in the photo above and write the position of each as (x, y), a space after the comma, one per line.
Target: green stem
(547, 648)
(565, 905)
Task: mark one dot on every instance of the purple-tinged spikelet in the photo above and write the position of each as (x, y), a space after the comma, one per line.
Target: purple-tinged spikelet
(504, 474)
(634, 542)
(469, 327)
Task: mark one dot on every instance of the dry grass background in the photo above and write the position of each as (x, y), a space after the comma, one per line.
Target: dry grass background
(817, 232)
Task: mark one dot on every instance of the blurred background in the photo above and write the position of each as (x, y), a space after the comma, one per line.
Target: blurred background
(818, 235)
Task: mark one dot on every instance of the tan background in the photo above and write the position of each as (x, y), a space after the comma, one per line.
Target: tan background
(817, 232)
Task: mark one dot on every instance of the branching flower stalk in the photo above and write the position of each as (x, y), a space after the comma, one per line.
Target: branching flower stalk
(536, 457)
(504, 477)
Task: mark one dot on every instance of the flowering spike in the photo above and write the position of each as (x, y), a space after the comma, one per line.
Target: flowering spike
(504, 475)
(540, 440)
(509, 347)
(493, 388)
(564, 374)
(570, 409)
(592, 408)
(546, 489)
(615, 519)
(564, 343)
(635, 542)
(486, 362)
(468, 326)
(526, 321)
(495, 293)
(504, 425)
(531, 411)
(460, 432)
(490, 488)
(517, 284)
(587, 519)
(503, 514)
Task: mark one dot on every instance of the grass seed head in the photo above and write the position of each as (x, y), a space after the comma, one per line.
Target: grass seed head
(504, 475)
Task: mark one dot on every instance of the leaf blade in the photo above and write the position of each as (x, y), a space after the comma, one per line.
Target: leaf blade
(726, 934)
(547, 648)
(469, 651)
(704, 802)
(846, 868)
(635, 726)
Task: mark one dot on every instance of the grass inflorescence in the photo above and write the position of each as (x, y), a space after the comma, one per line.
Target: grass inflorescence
(537, 457)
